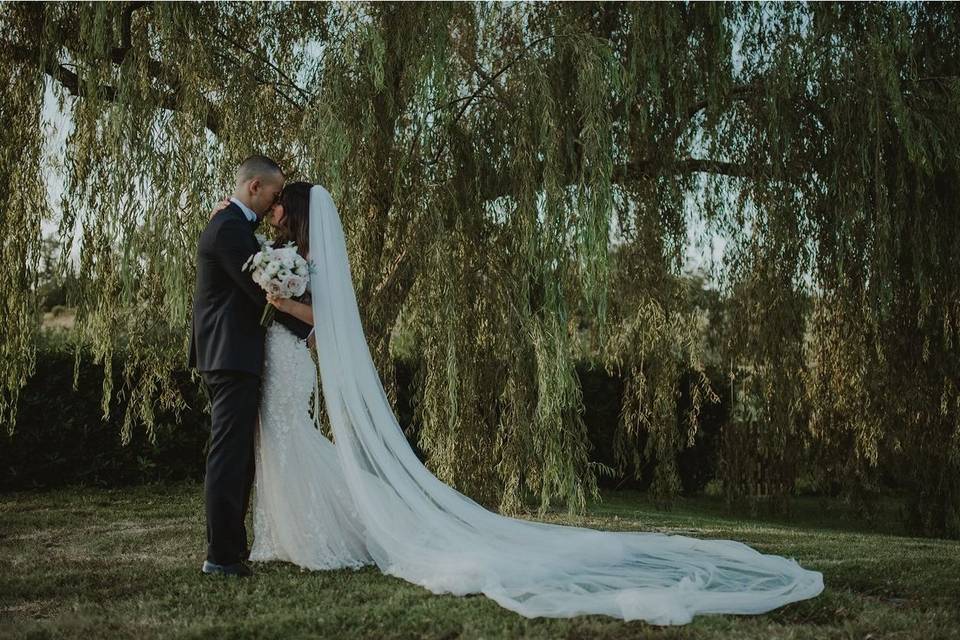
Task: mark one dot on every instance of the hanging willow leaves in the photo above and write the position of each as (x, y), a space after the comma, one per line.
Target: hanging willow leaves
(483, 156)
(23, 204)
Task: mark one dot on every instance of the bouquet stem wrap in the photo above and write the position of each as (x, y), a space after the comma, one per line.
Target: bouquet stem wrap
(267, 316)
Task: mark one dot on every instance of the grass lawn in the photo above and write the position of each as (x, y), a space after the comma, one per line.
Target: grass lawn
(97, 563)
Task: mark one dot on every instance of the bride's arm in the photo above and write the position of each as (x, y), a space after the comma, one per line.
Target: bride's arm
(299, 310)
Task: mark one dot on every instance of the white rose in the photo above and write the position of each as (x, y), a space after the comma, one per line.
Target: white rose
(299, 284)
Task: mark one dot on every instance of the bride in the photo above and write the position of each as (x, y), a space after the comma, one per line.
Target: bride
(368, 499)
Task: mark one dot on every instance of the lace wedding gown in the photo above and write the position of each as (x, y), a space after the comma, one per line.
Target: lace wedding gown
(370, 497)
(303, 512)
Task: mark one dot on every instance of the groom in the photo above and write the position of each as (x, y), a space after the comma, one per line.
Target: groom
(227, 348)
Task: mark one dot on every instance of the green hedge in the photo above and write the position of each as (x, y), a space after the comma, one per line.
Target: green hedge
(61, 437)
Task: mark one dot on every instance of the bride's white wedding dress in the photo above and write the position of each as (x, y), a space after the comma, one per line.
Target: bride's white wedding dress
(375, 501)
(303, 512)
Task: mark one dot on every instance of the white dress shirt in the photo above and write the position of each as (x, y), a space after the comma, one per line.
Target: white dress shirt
(247, 211)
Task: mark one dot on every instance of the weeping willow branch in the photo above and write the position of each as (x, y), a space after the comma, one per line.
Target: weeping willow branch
(169, 101)
(71, 81)
(305, 97)
(467, 100)
(498, 185)
(481, 170)
(119, 54)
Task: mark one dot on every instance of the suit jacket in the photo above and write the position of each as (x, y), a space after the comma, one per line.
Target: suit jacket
(227, 303)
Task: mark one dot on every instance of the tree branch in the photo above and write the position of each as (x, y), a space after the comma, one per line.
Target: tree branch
(304, 95)
(118, 54)
(260, 80)
(497, 89)
(497, 185)
(70, 81)
(468, 99)
(649, 169)
(737, 92)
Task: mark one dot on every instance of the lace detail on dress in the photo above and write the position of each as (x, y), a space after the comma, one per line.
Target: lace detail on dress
(303, 512)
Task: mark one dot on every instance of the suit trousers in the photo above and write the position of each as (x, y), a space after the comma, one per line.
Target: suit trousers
(234, 401)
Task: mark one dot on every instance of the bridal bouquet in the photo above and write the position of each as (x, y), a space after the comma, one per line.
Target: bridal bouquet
(281, 272)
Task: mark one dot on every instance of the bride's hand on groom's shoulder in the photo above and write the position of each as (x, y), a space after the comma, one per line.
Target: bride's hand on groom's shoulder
(220, 206)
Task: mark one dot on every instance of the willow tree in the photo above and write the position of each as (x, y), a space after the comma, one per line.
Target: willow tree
(847, 283)
(482, 157)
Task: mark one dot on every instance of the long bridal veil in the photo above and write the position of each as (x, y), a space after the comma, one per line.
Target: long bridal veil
(424, 531)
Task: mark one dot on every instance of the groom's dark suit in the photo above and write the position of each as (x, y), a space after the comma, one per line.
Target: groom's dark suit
(227, 347)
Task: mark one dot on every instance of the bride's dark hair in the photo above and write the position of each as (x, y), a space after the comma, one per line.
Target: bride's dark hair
(295, 199)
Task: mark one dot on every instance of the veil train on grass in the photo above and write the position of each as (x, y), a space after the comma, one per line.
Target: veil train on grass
(424, 531)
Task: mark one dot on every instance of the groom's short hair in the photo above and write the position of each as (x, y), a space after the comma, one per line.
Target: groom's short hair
(257, 166)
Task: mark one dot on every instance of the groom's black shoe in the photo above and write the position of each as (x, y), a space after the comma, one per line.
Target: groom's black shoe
(238, 569)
